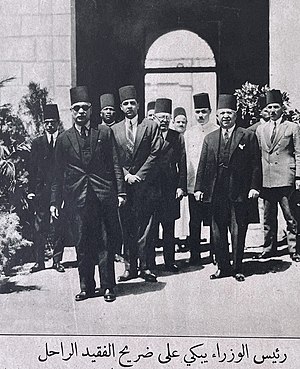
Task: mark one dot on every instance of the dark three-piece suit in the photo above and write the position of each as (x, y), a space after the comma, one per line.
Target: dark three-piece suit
(225, 175)
(136, 215)
(88, 178)
(171, 174)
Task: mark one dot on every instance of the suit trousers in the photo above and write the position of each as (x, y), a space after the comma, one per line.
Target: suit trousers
(41, 232)
(272, 197)
(197, 215)
(93, 234)
(233, 216)
(168, 239)
(136, 219)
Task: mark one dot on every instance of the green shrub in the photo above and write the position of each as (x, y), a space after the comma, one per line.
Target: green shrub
(11, 241)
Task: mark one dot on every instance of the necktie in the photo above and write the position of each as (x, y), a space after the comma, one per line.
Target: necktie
(130, 138)
(273, 133)
(51, 142)
(83, 131)
(226, 136)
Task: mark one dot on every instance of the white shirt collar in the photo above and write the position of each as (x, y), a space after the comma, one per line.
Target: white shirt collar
(230, 130)
(55, 134)
(78, 127)
(134, 121)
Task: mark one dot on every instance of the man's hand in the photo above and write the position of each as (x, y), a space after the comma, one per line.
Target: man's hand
(54, 212)
(198, 195)
(31, 196)
(132, 178)
(121, 200)
(253, 194)
(297, 184)
(179, 193)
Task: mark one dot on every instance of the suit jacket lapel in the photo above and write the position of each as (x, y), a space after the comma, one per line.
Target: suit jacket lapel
(216, 142)
(237, 136)
(120, 135)
(45, 144)
(266, 134)
(139, 135)
(94, 140)
(279, 133)
(73, 139)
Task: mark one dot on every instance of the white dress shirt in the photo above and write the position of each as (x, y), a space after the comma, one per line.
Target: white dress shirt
(134, 122)
(55, 134)
(194, 138)
(229, 130)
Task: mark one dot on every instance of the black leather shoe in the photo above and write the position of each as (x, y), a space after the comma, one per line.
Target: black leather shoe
(126, 276)
(148, 276)
(37, 267)
(220, 274)
(172, 268)
(59, 267)
(295, 257)
(82, 295)
(109, 295)
(239, 277)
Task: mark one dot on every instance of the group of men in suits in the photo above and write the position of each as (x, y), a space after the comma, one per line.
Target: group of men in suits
(117, 182)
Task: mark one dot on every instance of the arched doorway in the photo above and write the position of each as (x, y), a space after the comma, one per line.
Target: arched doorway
(178, 65)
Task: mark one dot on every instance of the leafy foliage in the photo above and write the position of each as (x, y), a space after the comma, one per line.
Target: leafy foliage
(248, 102)
(11, 240)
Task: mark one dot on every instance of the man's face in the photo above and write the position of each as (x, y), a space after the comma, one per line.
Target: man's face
(108, 114)
(226, 117)
(81, 112)
(163, 120)
(202, 115)
(275, 110)
(265, 114)
(51, 125)
(150, 114)
(180, 123)
(130, 108)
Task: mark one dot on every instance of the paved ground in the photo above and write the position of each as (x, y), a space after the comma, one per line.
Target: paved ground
(189, 303)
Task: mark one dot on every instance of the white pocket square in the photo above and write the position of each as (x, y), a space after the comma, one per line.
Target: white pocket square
(241, 146)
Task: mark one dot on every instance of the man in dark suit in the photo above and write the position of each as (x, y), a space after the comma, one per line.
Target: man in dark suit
(229, 174)
(139, 144)
(108, 109)
(40, 179)
(89, 179)
(171, 177)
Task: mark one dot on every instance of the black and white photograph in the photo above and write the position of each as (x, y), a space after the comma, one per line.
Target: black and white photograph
(149, 184)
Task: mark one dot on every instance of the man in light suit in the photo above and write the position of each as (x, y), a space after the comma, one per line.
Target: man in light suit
(171, 179)
(89, 179)
(229, 174)
(279, 141)
(194, 141)
(139, 145)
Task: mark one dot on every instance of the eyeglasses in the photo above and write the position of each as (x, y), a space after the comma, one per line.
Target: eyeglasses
(163, 117)
(78, 107)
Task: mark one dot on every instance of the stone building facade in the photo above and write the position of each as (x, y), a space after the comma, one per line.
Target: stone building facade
(37, 39)
(43, 41)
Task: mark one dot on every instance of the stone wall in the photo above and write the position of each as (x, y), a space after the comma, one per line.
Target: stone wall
(36, 38)
(285, 47)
